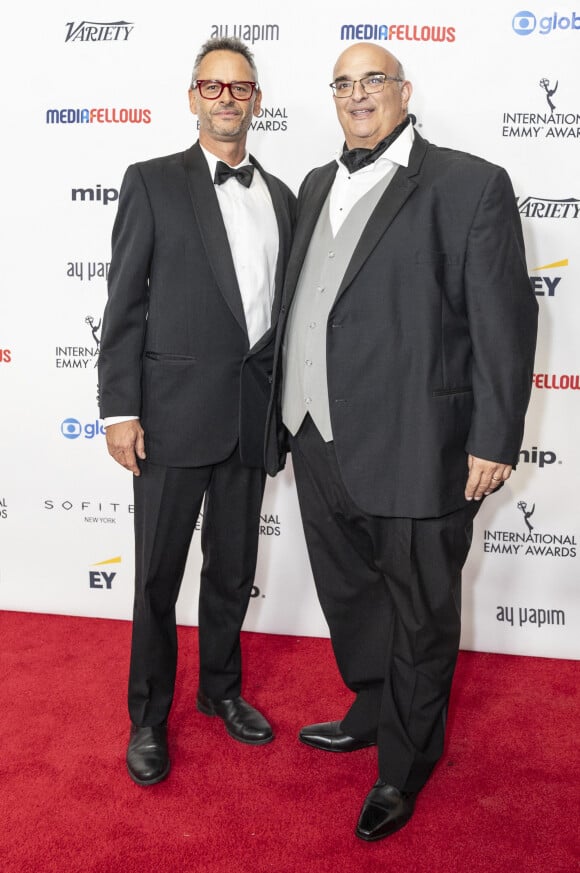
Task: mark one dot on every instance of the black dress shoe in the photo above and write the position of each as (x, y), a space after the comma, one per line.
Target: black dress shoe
(329, 737)
(148, 755)
(385, 810)
(242, 721)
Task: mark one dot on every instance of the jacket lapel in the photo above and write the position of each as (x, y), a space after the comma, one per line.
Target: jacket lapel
(284, 221)
(313, 193)
(213, 231)
(403, 184)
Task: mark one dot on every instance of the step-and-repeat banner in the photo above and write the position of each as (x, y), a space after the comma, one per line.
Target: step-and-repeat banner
(91, 88)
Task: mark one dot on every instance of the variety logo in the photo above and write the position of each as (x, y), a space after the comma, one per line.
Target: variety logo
(103, 579)
(98, 194)
(102, 115)
(72, 429)
(557, 381)
(527, 540)
(543, 207)
(5, 356)
(248, 32)
(398, 32)
(545, 286)
(98, 31)
(550, 124)
(524, 23)
(87, 269)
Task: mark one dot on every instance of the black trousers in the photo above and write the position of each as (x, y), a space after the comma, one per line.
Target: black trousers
(167, 505)
(390, 590)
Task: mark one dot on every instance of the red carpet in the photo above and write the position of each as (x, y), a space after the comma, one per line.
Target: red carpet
(504, 798)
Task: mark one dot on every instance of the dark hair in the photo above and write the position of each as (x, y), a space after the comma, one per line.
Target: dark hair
(223, 44)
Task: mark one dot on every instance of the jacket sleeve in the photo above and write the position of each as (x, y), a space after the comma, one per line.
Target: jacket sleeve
(503, 313)
(125, 315)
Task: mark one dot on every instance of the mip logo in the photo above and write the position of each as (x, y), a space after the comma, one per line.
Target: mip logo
(524, 23)
(72, 429)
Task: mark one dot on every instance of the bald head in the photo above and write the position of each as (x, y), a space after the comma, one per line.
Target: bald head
(383, 59)
(366, 119)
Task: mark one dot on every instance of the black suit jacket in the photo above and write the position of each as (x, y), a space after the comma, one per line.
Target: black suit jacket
(431, 340)
(174, 345)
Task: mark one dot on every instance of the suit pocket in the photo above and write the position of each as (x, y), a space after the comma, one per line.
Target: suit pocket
(445, 392)
(170, 359)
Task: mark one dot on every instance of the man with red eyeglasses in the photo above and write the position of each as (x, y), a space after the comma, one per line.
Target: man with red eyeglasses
(199, 248)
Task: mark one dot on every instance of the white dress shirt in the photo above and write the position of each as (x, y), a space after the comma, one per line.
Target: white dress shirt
(349, 187)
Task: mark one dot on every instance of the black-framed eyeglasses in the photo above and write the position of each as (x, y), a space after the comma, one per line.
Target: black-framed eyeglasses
(211, 89)
(370, 84)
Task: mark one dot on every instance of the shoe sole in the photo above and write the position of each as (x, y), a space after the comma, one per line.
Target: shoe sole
(332, 749)
(210, 712)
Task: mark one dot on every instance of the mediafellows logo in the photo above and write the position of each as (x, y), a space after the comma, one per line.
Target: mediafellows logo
(556, 381)
(98, 31)
(98, 115)
(525, 23)
(398, 32)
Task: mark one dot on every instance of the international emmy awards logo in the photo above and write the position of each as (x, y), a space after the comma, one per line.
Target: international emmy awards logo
(545, 84)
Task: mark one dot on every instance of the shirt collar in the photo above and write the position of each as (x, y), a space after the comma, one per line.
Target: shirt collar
(213, 159)
(397, 153)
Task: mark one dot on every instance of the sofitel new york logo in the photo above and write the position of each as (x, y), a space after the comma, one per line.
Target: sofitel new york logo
(98, 31)
(528, 540)
(92, 511)
(546, 124)
(80, 357)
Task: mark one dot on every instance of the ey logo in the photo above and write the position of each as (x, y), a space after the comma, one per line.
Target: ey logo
(101, 578)
(545, 286)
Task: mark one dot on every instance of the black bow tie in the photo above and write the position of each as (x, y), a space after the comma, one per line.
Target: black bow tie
(355, 159)
(243, 174)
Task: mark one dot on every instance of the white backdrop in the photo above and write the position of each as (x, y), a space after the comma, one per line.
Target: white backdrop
(88, 89)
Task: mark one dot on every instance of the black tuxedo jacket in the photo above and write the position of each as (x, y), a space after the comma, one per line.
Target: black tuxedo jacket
(174, 345)
(431, 340)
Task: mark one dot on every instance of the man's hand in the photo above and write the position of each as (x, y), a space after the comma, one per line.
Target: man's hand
(484, 477)
(125, 442)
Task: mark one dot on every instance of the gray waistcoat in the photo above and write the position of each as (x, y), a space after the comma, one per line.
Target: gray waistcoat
(304, 387)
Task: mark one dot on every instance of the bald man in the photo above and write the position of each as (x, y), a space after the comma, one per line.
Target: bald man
(402, 375)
